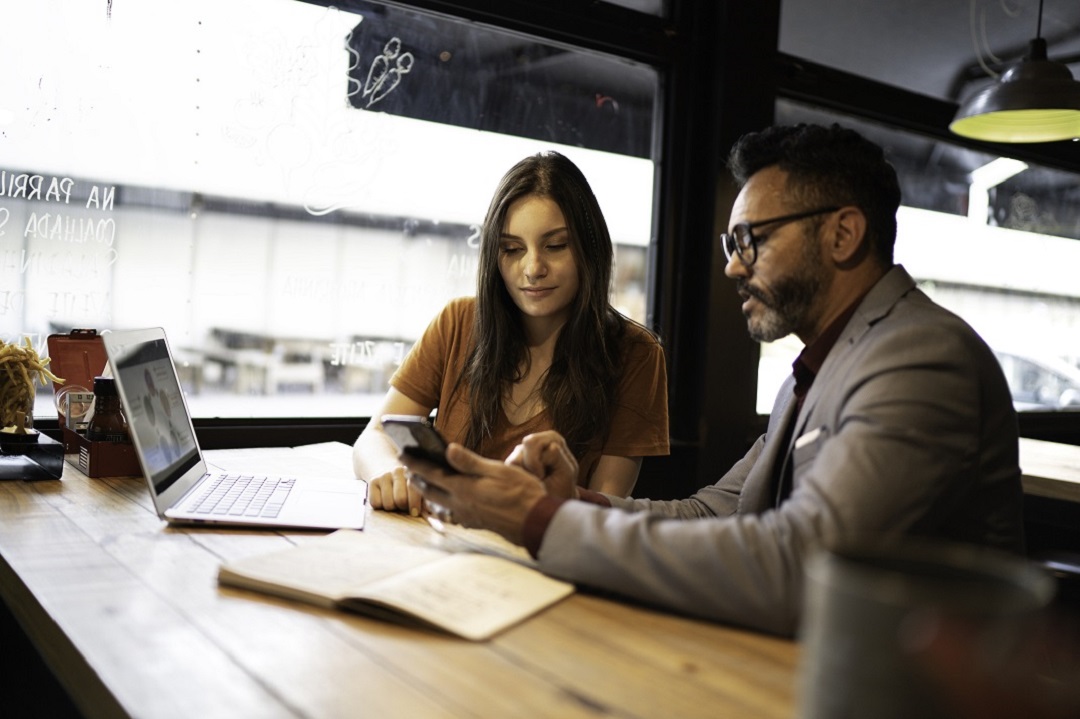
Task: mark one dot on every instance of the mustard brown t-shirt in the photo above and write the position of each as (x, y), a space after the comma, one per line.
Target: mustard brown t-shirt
(639, 422)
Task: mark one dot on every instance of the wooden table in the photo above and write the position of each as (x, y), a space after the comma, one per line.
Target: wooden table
(129, 616)
(1050, 469)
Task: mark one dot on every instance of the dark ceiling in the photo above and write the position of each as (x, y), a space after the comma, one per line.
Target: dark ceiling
(940, 48)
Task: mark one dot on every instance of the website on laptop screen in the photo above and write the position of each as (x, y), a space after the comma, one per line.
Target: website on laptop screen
(156, 413)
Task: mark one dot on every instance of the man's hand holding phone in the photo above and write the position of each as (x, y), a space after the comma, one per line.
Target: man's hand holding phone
(481, 493)
(461, 486)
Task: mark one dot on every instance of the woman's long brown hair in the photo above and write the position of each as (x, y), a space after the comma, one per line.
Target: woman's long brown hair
(579, 389)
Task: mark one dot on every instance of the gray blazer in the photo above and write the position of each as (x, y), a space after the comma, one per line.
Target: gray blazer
(908, 429)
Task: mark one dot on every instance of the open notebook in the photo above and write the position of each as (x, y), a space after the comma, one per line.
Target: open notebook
(184, 487)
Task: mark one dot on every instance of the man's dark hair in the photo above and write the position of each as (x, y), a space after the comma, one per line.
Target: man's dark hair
(827, 166)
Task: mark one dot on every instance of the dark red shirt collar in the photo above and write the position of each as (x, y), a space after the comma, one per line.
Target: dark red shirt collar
(807, 365)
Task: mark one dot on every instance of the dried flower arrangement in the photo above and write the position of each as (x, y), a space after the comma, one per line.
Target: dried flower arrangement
(20, 365)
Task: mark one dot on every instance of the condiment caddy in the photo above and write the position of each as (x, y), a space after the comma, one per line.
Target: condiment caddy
(104, 450)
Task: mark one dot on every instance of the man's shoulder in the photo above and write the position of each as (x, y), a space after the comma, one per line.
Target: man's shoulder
(898, 302)
(916, 330)
(920, 311)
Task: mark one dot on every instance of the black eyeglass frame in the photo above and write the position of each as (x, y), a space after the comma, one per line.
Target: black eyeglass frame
(733, 246)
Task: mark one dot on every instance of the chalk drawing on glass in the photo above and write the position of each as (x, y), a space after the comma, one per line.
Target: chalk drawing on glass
(386, 71)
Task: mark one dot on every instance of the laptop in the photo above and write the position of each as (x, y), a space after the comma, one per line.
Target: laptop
(187, 490)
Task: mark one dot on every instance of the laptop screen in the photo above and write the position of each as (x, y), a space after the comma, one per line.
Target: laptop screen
(156, 412)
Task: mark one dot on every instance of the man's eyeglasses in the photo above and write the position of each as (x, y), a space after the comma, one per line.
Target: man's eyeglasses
(742, 242)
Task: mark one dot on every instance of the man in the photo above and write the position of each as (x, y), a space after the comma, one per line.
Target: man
(897, 420)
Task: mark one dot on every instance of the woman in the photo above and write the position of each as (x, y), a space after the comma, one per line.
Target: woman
(539, 347)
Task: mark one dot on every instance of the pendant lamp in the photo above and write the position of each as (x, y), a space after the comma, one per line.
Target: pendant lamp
(1036, 100)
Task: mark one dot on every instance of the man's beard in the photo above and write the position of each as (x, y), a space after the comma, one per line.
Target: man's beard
(784, 306)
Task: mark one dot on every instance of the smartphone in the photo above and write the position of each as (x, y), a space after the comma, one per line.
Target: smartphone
(416, 436)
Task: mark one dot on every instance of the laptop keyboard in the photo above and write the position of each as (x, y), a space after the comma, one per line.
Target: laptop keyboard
(233, 495)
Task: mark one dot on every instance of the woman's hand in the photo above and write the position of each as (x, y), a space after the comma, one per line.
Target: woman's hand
(374, 451)
(393, 492)
(546, 455)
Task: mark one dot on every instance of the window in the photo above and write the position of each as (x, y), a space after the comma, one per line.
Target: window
(993, 239)
(291, 190)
